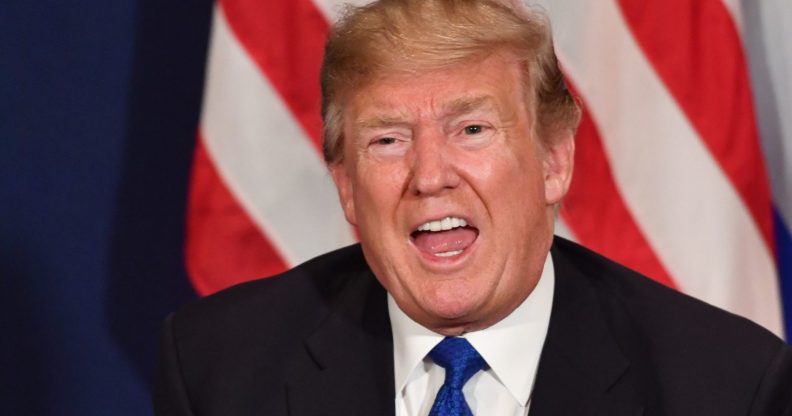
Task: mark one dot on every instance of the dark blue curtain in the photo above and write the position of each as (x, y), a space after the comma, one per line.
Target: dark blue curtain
(99, 102)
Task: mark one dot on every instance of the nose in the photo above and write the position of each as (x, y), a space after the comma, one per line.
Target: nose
(432, 169)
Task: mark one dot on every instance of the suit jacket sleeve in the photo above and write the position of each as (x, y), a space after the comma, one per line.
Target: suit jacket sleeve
(170, 394)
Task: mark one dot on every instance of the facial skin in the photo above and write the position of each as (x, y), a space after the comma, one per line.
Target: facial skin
(452, 143)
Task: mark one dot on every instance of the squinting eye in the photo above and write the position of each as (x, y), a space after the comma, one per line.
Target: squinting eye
(385, 140)
(474, 129)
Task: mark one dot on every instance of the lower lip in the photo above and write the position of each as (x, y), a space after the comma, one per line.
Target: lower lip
(447, 261)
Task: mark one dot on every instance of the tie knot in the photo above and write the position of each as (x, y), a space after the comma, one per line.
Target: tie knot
(459, 359)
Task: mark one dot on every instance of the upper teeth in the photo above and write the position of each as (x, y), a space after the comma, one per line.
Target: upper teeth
(445, 224)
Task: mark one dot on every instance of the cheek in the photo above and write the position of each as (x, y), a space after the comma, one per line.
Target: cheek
(507, 173)
(511, 187)
(377, 193)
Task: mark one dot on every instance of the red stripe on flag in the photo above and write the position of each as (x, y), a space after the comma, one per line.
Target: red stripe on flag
(286, 40)
(695, 48)
(595, 211)
(223, 246)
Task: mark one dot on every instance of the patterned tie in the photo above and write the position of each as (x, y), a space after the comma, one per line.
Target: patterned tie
(460, 361)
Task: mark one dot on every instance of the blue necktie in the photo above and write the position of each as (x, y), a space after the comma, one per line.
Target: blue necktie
(460, 361)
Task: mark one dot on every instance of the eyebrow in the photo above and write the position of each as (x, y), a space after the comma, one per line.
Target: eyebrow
(455, 107)
(380, 121)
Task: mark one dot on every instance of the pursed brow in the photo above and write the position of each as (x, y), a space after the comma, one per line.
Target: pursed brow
(380, 121)
(455, 107)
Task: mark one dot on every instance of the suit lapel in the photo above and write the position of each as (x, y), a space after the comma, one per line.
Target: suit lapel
(581, 361)
(348, 365)
(348, 368)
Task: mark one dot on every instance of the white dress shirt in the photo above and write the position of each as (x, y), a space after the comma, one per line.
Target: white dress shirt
(511, 349)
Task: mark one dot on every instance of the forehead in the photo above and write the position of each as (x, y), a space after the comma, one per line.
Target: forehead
(492, 83)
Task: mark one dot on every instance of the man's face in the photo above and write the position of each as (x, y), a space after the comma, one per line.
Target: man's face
(450, 193)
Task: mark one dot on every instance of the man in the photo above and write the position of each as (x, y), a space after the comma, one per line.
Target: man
(449, 135)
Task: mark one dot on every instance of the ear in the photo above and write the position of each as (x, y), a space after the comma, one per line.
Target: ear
(343, 183)
(559, 159)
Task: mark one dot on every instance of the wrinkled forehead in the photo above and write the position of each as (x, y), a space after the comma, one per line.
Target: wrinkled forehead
(480, 81)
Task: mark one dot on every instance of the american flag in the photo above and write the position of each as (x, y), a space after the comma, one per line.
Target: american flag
(682, 155)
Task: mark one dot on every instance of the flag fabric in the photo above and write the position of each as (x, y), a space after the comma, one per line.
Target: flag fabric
(681, 162)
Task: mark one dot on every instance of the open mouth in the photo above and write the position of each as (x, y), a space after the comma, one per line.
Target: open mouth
(447, 237)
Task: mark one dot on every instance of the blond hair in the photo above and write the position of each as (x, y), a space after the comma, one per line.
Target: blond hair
(390, 37)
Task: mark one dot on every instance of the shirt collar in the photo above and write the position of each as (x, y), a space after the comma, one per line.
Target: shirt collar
(511, 347)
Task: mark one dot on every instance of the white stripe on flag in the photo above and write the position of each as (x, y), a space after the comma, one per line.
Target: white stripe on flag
(265, 158)
(332, 9)
(733, 6)
(686, 206)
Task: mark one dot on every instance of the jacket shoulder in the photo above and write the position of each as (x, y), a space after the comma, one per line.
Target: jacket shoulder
(691, 347)
(232, 351)
(655, 303)
(652, 305)
(291, 299)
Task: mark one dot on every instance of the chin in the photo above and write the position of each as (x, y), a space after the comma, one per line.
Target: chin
(450, 310)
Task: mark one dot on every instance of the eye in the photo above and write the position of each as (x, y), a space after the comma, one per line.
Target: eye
(475, 133)
(385, 140)
(473, 129)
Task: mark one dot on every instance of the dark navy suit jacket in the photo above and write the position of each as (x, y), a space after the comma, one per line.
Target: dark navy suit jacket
(316, 340)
